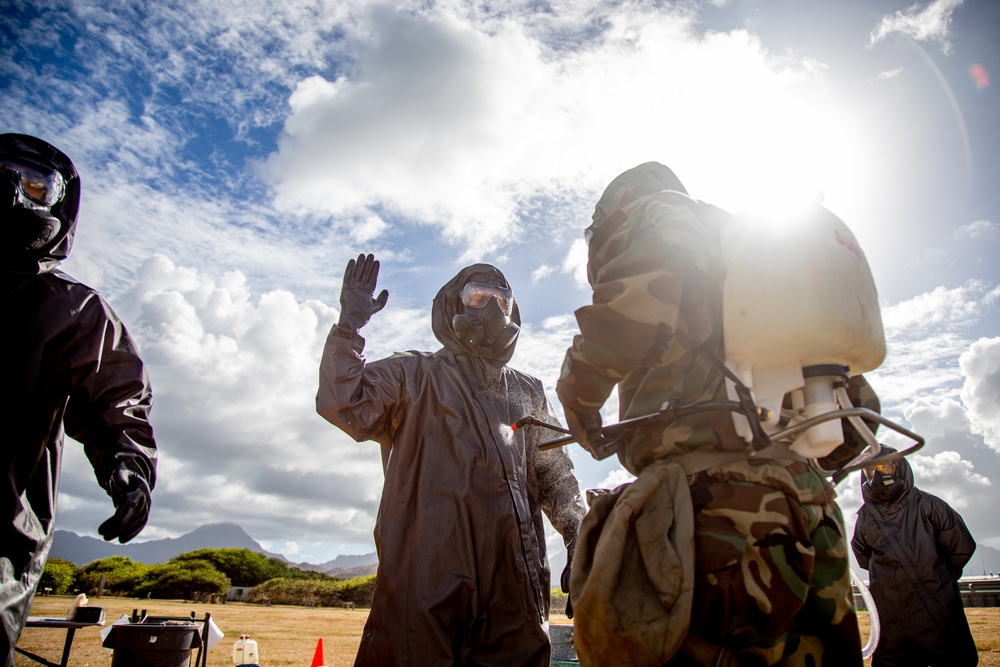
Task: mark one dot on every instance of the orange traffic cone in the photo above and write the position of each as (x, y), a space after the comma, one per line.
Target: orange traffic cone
(318, 655)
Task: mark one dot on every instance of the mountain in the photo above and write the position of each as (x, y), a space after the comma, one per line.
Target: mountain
(344, 566)
(81, 550)
(984, 562)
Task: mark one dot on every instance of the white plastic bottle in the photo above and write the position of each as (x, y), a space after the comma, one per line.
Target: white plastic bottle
(798, 296)
(245, 651)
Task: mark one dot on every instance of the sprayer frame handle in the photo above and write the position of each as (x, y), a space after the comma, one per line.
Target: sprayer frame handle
(670, 411)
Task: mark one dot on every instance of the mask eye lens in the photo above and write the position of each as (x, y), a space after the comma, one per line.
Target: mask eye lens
(477, 295)
(887, 468)
(42, 186)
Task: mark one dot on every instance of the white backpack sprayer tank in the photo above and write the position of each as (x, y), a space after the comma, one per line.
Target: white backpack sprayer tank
(800, 315)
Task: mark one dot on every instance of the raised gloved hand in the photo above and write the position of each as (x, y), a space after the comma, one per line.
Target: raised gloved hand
(129, 490)
(357, 302)
(586, 428)
(564, 584)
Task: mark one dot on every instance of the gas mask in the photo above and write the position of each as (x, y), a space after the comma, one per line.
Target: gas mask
(882, 480)
(28, 191)
(484, 326)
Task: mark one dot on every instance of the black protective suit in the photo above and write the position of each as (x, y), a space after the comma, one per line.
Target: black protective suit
(67, 365)
(463, 577)
(914, 546)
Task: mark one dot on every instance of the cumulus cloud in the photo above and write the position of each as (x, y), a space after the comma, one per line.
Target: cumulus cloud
(941, 306)
(981, 391)
(234, 377)
(925, 336)
(430, 96)
(928, 23)
(404, 129)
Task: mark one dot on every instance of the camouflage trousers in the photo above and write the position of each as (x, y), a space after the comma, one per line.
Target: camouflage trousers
(772, 579)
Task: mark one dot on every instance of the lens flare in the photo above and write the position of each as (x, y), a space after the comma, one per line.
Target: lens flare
(980, 77)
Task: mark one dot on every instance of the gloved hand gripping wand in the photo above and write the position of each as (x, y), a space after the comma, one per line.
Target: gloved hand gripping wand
(670, 411)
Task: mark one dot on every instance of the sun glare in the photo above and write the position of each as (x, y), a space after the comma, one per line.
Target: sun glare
(810, 153)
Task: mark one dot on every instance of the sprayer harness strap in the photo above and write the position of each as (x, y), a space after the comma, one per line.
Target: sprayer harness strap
(700, 460)
(760, 439)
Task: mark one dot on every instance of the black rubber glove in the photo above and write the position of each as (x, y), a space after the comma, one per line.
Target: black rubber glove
(586, 428)
(130, 492)
(564, 584)
(357, 304)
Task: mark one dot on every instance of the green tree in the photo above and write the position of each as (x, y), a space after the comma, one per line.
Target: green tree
(59, 575)
(247, 568)
(121, 573)
(243, 566)
(183, 580)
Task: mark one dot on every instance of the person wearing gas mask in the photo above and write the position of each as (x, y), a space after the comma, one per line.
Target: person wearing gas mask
(68, 367)
(463, 576)
(914, 546)
(743, 556)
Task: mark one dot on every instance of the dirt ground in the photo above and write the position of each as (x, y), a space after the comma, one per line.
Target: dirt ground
(288, 635)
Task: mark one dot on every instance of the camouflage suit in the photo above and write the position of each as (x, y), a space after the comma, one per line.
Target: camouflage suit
(772, 584)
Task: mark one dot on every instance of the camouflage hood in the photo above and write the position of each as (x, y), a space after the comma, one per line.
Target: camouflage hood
(646, 179)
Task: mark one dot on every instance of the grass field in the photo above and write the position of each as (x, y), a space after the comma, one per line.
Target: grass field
(287, 636)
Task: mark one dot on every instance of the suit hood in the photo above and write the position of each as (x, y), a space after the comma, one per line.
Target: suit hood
(448, 304)
(902, 481)
(66, 210)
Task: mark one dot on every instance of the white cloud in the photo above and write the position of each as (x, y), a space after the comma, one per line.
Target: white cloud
(941, 306)
(575, 263)
(234, 379)
(889, 75)
(430, 96)
(952, 478)
(929, 23)
(616, 478)
(980, 229)
(369, 229)
(541, 273)
(406, 127)
(981, 391)
(925, 336)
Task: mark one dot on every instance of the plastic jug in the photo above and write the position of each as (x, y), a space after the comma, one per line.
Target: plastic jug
(245, 651)
(798, 296)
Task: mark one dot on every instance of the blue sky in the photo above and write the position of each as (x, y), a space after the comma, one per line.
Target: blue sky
(235, 155)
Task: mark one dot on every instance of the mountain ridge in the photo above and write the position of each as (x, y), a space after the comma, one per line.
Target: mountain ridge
(81, 550)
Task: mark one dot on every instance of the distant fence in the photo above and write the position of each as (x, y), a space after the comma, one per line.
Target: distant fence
(975, 593)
